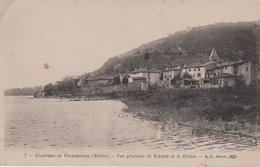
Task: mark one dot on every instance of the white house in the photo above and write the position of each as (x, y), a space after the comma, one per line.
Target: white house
(154, 76)
(197, 72)
(168, 76)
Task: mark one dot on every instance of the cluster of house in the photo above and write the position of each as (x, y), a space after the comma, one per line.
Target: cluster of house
(211, 74)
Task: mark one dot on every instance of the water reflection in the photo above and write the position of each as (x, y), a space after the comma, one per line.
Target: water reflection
(45, 123)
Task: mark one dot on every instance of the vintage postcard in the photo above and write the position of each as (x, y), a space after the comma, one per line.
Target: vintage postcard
(130, 82)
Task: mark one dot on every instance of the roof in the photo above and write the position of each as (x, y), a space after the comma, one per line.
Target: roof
(194, 66)
(241, 62)
(231, 64)
(226, 64)
(225, 75)
(145, 70)
(172, 69)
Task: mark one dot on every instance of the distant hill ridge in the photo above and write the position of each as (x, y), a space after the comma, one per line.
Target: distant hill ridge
(231, 40)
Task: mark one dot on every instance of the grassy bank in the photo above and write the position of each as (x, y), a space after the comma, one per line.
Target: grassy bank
(223, 110)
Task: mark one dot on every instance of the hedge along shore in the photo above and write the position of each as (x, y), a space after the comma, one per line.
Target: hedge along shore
(222, 110)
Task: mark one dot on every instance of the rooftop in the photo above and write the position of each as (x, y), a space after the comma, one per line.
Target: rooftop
(171, 69)
(194, 66)
(144, 70)
(231, 63)
(225, 75)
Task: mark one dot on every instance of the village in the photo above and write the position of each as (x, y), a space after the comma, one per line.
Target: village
(213, 74)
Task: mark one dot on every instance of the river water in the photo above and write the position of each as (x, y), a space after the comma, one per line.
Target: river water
(58, 123)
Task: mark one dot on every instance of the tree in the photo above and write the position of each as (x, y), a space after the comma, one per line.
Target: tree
(116, 80)
(49, 89)
(125, 80)
(186, 75)
(176, 81)
(66, 85)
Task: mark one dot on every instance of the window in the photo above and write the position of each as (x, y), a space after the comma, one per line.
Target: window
(198, 69)
(189, 69)
(198, 75)
(246, 68)
(194, 69)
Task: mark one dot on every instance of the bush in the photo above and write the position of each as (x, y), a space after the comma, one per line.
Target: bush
(225, 104)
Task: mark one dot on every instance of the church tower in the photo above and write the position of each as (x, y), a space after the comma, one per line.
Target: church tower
(213, 58)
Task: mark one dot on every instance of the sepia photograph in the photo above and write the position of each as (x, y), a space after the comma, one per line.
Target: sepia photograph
(130, 82)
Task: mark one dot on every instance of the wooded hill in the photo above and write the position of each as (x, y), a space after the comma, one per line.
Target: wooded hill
(231, 40)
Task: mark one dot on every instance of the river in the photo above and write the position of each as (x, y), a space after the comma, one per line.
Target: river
(60, 123)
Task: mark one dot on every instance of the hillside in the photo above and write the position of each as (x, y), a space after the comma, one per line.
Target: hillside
(231, 40)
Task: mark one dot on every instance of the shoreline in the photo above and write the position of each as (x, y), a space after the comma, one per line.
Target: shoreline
(198, 127)
(191, 109)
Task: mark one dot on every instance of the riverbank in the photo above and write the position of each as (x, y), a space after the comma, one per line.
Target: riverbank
(222, 110)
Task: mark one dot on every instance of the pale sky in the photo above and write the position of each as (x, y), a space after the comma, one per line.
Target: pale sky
(77, 36)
